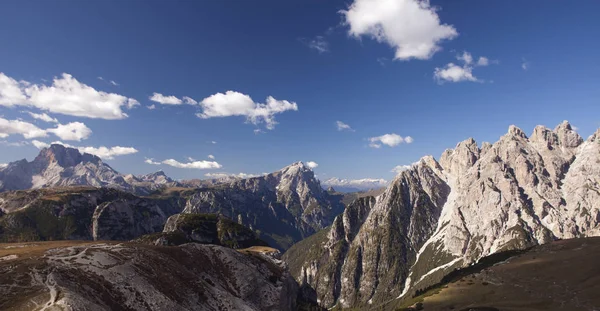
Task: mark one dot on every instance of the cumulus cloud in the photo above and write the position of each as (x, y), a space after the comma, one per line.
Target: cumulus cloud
(400, 168)
(171, 100)
(312, 164)
(233, 103)
(210, 156)
(201, 165)
(341, 126)
(42, 116)
(391, 140)
(40, 144)
(412, 27)
(258, 131)
(318, 43)
(151, 107)
(11, 91)
(456, 73)
(107, 153)
(3, 165)
(189, 101)
(66, 96)
(227, 175)
(151, 161)
(71, 131)
(18, 127)
(165, 100)
(360, 184)
(483, 61)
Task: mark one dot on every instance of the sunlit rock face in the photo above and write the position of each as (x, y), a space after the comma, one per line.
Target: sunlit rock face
(438, 216)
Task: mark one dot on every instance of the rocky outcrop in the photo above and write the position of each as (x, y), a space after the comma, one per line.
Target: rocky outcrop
(205, 229)
(436, 217)
(86, 276)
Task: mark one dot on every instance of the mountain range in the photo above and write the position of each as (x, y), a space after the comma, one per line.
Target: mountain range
(283, 207)
(374, 249)
(438, 216)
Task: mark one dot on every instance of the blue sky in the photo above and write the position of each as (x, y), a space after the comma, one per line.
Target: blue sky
(542, 68)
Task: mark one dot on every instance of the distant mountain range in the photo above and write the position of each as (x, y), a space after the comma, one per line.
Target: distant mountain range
(354, 185)
(284, 207)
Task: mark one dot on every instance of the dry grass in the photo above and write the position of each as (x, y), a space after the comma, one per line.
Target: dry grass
(563, 275)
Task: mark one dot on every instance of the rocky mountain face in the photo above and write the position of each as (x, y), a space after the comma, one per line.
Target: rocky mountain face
(82, 213)
(60, 166)
(285, 206)
(109, 276)
(439, 216)
(204, 229)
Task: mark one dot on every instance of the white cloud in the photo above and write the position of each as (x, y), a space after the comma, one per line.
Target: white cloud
(40, 144)
(454, 73)
(361, 184)
(319, 44)
(151, 161)
(411, 27)
(114, 83)
(227, 175)
(66, 96)
(341, 126)
(189, 101)
(3, 165)
(28, 130)
(102, 152)
(258, 131)
(42, 116)
(151, 107)
(11, 91)
(483, 61)
(213, 142)
(237, 104)
(165, 100)
(108, 153)
(391, 140)
(312, 164)
(132, 103)
(171, 100)
(466, 57)
(191, 159)
(525, 64)
(71, 131)
(400, 168)
(201, 165)
(210, 156)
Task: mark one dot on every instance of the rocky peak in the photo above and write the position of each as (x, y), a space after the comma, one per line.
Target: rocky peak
(567, 137)
(461, 158)
(63, 156)
(513, 130)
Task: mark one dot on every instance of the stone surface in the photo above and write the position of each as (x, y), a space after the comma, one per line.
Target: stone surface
(436, 217)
